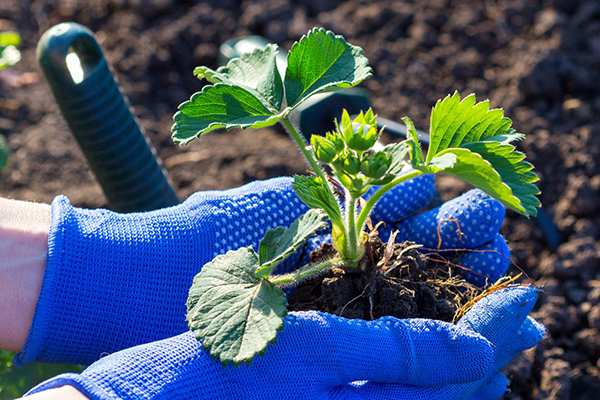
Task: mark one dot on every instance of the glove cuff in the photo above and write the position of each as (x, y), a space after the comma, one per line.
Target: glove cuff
(86, 386)
(56, 239)
(114, 280)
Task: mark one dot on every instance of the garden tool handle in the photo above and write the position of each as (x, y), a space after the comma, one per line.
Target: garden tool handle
(101, 120)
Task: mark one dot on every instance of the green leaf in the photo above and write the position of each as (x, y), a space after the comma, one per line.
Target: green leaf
(322, 62)
(440, 163)
(397, 152)
(455, 122)
(466, 125)
(256, 72)
(316, 194)
(234, 313)
(473, 168)
(4, 153)
(219, 106)
(416, 153)
(514, 171)
(279, 243)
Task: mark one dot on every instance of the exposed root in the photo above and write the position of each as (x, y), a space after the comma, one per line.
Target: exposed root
(460, 234)
(501, 283)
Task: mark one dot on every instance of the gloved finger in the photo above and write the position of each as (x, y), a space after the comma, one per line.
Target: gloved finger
(489, 389)
(500, 317)
(388, 349)
(403, 200)
(492, 389)
(527, 336)
(467, 221)
(485, 264)
(381, 391)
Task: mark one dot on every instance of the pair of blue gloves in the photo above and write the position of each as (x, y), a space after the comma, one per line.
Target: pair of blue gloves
(113, 281)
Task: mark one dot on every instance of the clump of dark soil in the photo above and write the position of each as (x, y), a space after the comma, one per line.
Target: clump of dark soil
(397, 281)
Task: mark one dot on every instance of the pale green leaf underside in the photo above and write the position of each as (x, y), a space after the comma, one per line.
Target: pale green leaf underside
(256, 72)
(473, 168)
(398, 152)
(321, 62)
(233, 312)
(313, 192)
(513, 169)
(219, 106)
(456, 122)
(4, 153)
(441, 162)
(279, 243)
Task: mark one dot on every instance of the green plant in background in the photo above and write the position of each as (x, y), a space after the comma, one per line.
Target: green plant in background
(4, 153)
(14, 382)
(236, 305)
(9, 55)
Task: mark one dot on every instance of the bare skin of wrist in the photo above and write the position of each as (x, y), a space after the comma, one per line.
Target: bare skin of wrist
(61, 393)
(24, 228)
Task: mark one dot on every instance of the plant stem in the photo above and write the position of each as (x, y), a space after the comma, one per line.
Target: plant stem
(375, 198)
(304, 272)
(309, 157)
(352, 234)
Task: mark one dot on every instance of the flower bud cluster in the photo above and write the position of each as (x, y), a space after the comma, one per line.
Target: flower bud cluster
(348, 151)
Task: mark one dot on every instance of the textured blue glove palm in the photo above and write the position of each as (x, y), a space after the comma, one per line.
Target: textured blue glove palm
(109, 274)
(320, 356)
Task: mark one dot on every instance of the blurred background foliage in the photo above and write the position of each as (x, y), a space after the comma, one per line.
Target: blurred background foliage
(16, 381)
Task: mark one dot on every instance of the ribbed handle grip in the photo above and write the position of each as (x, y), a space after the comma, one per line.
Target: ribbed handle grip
(101, 120)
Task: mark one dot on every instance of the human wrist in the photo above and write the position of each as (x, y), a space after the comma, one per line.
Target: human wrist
(24, 228)
(66, 392)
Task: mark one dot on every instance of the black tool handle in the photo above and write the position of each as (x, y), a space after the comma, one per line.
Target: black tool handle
(101, 120)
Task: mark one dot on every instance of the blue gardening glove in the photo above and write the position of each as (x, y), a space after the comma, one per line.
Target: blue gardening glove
(316, 356)
(501, 317)
(113, 281)
(321, 356)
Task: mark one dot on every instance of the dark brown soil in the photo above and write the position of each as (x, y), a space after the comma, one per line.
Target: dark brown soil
(539, 59)
(404, 285)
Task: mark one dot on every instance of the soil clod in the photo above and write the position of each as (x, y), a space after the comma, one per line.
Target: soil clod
(407, 285)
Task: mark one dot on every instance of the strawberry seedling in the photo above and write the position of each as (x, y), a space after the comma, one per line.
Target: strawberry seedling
(236, 305)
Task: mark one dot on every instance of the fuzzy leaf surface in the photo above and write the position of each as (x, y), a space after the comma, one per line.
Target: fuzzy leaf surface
(316, 194)
(279, 243)
(256, 72)
(234, 313)
(456, 122)
(479, 172)
(514, 171)
(220, 106)
(322, 62)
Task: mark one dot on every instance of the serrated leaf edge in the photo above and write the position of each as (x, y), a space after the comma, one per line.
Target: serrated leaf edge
(344, 84)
